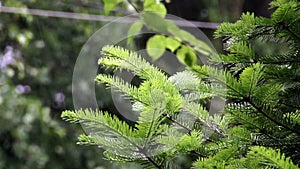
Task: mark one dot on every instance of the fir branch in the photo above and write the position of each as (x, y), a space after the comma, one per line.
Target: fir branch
(294, 106)
(281, 144)
(132, 61)
(89, 117)
(261, 110)
(119, 84)
(221, 76)
(281, 62)
(266, 60)
(289, 30)
(202, 116)
(271, 158)
(244, 117)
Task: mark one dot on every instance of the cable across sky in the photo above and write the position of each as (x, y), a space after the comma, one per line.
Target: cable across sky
(92, 17)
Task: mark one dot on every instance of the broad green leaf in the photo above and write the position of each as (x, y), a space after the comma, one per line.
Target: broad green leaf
(186, 55)
(205, 50)
(186, 36)
(172, 43)
(134, 29)
(149, 3)
(154, 22)
(110, 5)
(183, 35)
(156, 46)
(172, 27)
(154, 6)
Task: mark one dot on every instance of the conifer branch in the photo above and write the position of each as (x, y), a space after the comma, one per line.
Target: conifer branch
(289, 30)
(260, 110)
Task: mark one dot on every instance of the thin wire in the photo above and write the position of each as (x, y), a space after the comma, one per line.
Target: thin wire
(91, 17)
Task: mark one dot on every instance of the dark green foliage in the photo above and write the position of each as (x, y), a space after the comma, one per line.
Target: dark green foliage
(274, 100)
(259, 127)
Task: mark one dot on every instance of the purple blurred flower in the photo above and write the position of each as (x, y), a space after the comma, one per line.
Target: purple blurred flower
(59, 97)
(7, 58)
(22, 89)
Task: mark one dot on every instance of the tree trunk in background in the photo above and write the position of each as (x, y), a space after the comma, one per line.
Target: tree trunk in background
(259, 7)
(230, 10)
(187, 9)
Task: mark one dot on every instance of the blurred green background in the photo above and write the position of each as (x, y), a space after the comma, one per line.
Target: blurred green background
(37, 56)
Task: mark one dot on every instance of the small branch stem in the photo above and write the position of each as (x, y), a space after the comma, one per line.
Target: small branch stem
(176, 122)
(291, 32)
(132, 4)
(149, 158)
